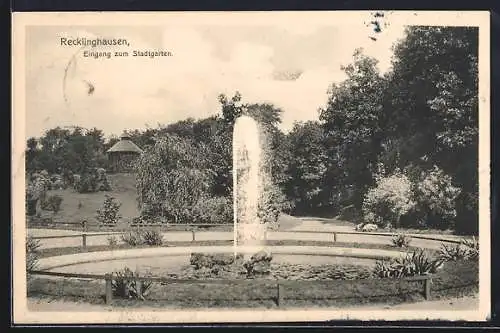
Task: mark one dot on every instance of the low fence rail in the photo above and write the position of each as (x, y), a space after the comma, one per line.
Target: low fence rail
(85, 235)
(280, 297)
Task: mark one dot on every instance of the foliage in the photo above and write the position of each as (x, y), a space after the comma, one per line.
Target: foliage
(436, 199)
(152, 238)
(126, 285)
(133, 238)
(216, 210)
(32, 253)
(401, 240)
(171, 178)
(391, 199)
(272, 203)
(63, 149)
(466, 250)
(52, 203)
(416, 263)
(352, 120)
(92, 180)
(109, 213)
(305, 187)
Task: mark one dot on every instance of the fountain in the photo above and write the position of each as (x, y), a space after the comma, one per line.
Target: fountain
(249, 231)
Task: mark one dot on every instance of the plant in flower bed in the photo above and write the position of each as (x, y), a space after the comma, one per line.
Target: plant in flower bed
(126, 285)
(466, 250)
(132, 238)
(401, 240)
(32, 253)
(139, 237)
(152, 238)
(419, 262)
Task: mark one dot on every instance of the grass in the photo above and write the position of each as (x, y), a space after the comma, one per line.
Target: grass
(76, 207)
(454, 280)
(50, 252)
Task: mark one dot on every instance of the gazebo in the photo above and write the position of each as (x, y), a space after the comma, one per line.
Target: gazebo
(122, 154)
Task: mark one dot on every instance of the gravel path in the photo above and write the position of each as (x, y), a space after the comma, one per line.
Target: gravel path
(455, 304)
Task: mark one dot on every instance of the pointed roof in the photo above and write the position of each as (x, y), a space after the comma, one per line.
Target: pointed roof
(125, 145)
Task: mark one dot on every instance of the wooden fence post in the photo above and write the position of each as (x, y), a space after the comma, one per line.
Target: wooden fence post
(84, 240)
(109, 289)
(427, 286)
(280, 294)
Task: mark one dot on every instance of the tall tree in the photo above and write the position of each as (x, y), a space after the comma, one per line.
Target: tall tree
(432, 103)
(353, 122)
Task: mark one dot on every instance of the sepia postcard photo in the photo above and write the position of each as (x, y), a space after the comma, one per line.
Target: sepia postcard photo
(250, 166)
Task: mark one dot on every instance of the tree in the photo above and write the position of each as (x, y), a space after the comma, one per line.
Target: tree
(353, 122)
(171, 178)
(432, 105)
(308, 165)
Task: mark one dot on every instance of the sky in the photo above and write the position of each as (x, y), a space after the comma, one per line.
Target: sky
(291, 66)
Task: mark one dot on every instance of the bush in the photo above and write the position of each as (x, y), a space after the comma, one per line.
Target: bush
(126, 285)
(87, 183)
(385, 204)
(467, 250)
(271, 204)
(32, 253)
(133, 238)
(412, 264)
(472, 246)
(152, 238)
(108, 214)
(217, 210)
(401, 240)
(92, 180)
(52, 203)
(436, 198)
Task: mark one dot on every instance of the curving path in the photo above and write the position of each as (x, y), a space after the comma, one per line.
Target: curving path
(96, 238)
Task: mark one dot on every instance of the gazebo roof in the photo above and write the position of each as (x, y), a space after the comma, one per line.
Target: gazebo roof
(125, 145)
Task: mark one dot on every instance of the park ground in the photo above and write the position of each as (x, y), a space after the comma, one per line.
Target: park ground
(457, 304)
(77, 207)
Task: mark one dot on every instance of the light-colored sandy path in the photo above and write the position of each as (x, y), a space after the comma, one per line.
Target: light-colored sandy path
(296, 234)
(452, 304)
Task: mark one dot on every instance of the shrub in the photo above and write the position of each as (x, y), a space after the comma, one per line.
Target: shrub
(217, 210)
(52, 203)
(92, 180)
(436, 197)
(133, 238)
(271, 204)
(466, 250)
(108, 214)
(152, 238)
(472, 246)
(126, 285)
(412, 264)
(112, 241)
(401, 240)
(87, 183)
(32, 253)
(385, 204)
